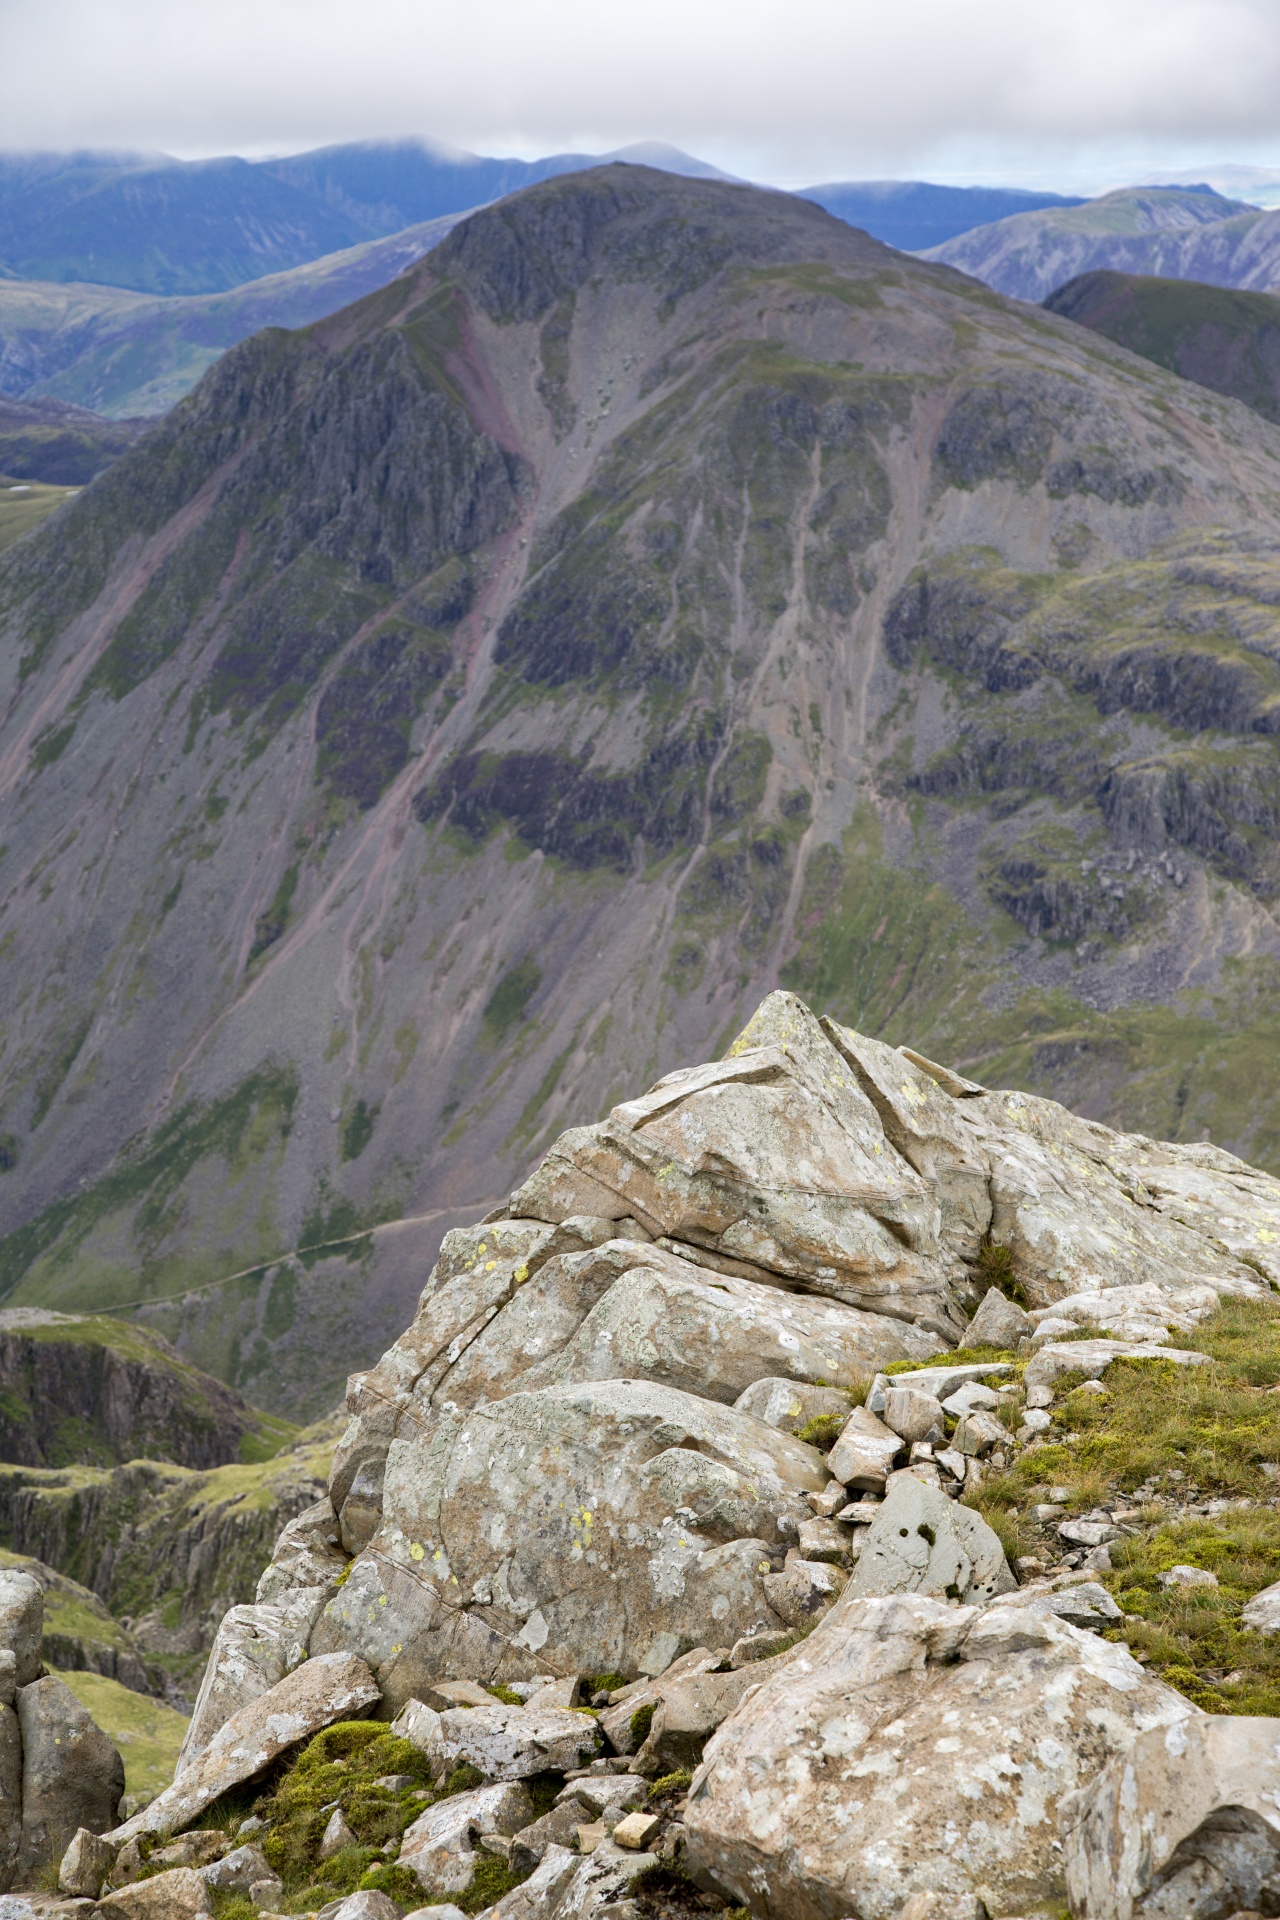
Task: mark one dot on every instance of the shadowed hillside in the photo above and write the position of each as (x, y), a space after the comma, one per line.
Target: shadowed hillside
(1217, 336)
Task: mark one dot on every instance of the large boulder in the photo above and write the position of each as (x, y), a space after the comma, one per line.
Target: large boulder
(336, 1687)
(576, 1459)
(72, 1776)
(570, 1529)
(913, 1747)
(439, 1849)
(255, 1647)
(180, 1894)
(10, 1795)
(1185, 1821)
(21, 1623)
(922, 1542)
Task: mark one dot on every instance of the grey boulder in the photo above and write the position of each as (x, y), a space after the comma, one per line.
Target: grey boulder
(571, 1528)
(179, 1894)
(72, 1776)
(1262, 1613)
(21, 1623)
(999, 1322)
(1186, 1821)
(439, 1849)
(322, 1690)
(913, 1747)
(255, 1647)
(85, 1865)
(922, 1542)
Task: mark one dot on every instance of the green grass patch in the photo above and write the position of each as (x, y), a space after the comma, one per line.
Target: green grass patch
(148, 1733)
(1192, 1636)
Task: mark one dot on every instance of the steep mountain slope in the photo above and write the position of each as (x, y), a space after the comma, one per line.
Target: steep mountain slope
(915, 214)
(1219, 337)
(123, 354)
(95, 1392)
(464, 709)
(1180, 233)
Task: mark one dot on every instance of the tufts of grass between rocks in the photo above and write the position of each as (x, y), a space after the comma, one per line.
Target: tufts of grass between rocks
(341, 1767)
(1187, 1461)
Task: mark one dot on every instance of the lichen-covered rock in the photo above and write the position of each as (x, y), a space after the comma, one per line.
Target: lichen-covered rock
(85, 1865)
(791, 1404)
(21, 1623)
(922, 1542)
(572, 1526)
(255, 1648)
(910, 1746)
(320, 1691)
(180, 1894)
(1185, 1820)
(72, 1776)
(512, 1743)
(439, 1848)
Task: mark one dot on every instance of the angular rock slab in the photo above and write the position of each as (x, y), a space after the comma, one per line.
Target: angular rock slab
(567, 1530)
(255, 1647)
(907, 1747)
(512, 1743)
(714, 1334)
(331, 1687)
(179, 1894)
(439, 1848)
(72, 1775)
(922, 1542)
(774, 1155)
(1070, 1204)
(1186, 1821)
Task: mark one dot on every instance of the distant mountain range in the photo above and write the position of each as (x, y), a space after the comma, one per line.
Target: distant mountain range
(1179, 233)
(1219, 337)
(915, 214)
(157, 225)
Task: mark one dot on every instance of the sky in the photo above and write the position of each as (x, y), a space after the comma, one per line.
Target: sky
(1076, 94)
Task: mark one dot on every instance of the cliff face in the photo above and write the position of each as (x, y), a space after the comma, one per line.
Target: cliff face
(163, 1551)
(96, 1392)
(464, 710)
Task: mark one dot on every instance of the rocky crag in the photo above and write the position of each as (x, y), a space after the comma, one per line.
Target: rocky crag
(79, 1391)
(697, 1426)
(468, 708)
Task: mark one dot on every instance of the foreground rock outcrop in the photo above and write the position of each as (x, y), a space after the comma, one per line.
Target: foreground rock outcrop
(684, 1417)
(58, 1771)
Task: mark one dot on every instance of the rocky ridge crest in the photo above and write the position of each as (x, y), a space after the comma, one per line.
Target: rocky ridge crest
(605, 1447)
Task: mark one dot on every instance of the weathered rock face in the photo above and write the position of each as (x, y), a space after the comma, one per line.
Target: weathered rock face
(313, 1696)
(72, 1776)
(912, 1747)
(572, 1460)
(1186, 1821)
(99, 1392)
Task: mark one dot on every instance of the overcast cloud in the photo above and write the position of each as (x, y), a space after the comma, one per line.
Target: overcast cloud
(1050, 90)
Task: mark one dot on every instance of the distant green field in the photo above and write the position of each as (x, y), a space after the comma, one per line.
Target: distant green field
(24, 504)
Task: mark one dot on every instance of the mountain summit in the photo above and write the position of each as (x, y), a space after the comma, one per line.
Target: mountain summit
(462, 710)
